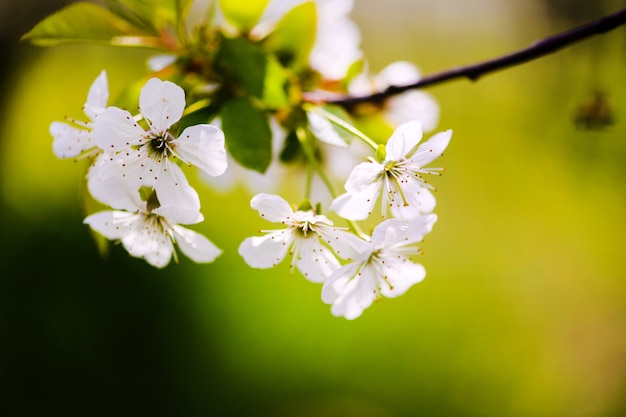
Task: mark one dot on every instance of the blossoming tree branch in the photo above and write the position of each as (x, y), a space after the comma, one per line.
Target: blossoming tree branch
(244, 91)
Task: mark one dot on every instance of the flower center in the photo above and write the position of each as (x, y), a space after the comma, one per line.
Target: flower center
(303, 228)
(377, 260)
(159, 144)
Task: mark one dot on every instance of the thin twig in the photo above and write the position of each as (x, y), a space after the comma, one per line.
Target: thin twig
(474, 72)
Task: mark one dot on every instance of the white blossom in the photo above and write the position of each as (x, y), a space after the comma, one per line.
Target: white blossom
(384, 269)
(397, 179)
(304, 238)
(146, 233)
(337, 42)
(404, 107)
(71, 140)
(149, 157)
(337, 37)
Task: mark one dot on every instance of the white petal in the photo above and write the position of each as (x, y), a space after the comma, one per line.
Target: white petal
(400, 274)
(112, 191)
(202, 146)
(325, 131)
(115, 130)
(179, 201)
(398, 232)
(128, 167)
(149, 241)
(362, 176)
(272, 208)
(315, 261)
(361, 85)
(345, 244)
(69, 141)
(431, 149)
(404, 139)
(336, 282)
(133, 167)
(112, 224)
(397, 73)
(158, 62)
(336, 46)
(420, 200)
(357, 206)
(141, 237)
(357, 294)
(162, 103)
(391, 228)
(197, 247)
(179, 214)
(413, 105)
(161, 257)
(334, 9)
(98, 96)
(266, 251)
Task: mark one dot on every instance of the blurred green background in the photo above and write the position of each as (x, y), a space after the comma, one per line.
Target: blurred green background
(523, 310)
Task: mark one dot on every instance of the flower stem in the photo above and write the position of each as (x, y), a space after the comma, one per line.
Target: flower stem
(314, 166)
(473, 72)
(309, 180)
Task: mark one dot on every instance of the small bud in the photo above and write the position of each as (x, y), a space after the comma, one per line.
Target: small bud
(305, 205)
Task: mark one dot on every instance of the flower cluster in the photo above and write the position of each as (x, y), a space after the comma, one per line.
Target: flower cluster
(371, 266)
(255, 78)
(135, 170)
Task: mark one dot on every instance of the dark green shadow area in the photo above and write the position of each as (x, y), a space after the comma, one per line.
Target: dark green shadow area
(86, 337)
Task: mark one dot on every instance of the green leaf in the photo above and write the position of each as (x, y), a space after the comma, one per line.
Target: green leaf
(243, 15)
(86, 22)
(151, 15)
(253, 72)
(331, 124)
(292, 149)
(248, 134)
(275, 85)
(294, 36)
(182, 8)
(354, 70)
(245, 63)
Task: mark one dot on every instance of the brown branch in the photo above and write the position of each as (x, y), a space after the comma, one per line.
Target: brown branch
(474, 72)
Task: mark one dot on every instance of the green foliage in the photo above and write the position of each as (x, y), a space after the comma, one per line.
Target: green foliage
(291, 149)
(294, 36)
(243, 15)
(275, 85)
(243, 65)
(86, 22)
(248, 134)
(150, 15)
(357, 68)
(248, 70)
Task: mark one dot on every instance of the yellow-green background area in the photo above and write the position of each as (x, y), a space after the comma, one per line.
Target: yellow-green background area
(522, 312)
